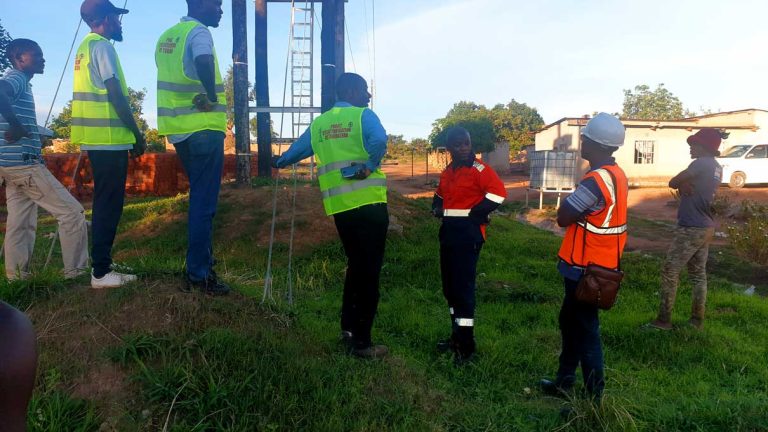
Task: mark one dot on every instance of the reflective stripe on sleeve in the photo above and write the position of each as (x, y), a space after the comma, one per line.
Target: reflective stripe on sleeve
(465, 322)
(456, 212)
(495, 198)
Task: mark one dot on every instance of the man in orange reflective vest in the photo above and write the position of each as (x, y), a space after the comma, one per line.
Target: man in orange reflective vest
(596, 218)
(468, 192)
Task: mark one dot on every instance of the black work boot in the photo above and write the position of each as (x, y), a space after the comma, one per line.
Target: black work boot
(445, 345)
(347, 339)
(370, 352)
(556, 388)
(210, 286)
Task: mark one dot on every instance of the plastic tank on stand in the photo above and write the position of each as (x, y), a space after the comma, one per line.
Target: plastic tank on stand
(552, 172)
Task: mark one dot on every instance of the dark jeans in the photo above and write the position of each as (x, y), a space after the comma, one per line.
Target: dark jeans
(580, 330)
(202, 155)
(363, 232)
(110, 169)
(458, 268)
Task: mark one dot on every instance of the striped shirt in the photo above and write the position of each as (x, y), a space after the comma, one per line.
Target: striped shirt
(25, 151)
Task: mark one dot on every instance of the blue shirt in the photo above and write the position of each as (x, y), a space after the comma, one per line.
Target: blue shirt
(586, 199)
(374, 141)
(25, 151)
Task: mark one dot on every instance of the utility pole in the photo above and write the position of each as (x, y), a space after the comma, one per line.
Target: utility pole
(263, 119)
(332, 50)
(240, 78)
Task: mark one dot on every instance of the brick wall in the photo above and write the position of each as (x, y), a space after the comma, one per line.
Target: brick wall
(154, 174)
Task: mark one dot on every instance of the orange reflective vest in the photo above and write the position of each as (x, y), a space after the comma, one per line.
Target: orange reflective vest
(600, 238)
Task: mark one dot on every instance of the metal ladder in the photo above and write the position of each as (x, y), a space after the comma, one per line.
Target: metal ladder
(302, 69)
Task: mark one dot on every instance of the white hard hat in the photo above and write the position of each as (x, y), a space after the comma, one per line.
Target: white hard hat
(605, 129)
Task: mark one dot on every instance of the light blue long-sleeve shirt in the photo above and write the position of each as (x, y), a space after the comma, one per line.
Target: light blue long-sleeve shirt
(374, 141)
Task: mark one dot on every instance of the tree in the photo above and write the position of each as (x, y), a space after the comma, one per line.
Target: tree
(515, 124)
(420, 145)
(229, 91)
(136, 102)
(477, 119)
(155, 141)
(62, 123)
(5, 38)
(647, 104)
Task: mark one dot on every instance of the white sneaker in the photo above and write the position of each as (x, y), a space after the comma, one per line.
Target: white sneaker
(112, 279)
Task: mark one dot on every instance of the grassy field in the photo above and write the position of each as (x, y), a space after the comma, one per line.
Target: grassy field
(149, 358)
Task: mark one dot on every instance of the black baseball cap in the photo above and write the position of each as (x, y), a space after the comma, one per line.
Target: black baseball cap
(94, 10)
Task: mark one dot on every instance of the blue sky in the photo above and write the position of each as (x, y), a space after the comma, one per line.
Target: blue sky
(564, 57)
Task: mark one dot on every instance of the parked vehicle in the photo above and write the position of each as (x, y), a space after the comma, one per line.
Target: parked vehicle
(744, 164)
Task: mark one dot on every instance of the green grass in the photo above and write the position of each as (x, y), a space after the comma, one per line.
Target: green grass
(198, 364)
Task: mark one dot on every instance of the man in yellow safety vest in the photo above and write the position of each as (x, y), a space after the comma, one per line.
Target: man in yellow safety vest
(103, 125)
(349, 142)
(191, 112)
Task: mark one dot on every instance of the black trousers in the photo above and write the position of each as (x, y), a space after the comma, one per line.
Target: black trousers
(458, 268)
(110, 169)
(580, 331)
(363, 232)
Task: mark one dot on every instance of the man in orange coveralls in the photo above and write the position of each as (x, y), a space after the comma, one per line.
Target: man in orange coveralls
(468, 192)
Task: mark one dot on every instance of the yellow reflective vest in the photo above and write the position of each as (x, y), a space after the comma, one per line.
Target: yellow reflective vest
(176, 113)
(94, 119)
(337, 141)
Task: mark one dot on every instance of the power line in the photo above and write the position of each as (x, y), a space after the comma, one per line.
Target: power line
(63, 71)
(349, 43)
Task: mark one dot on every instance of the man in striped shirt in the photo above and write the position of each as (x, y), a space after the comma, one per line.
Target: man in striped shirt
(28, 182)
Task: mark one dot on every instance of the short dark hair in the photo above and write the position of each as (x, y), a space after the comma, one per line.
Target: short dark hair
(453, 133)
(348, 83)
(17, 47)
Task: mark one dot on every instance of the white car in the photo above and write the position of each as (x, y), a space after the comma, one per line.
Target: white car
(744, 164)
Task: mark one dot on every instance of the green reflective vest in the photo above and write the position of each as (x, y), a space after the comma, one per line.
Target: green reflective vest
(94, 119)
(337, 141)
(176, 114)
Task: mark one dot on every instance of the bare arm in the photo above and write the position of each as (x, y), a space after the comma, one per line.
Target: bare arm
(16, 130)
(684, 177)
(206, 71)
(120, 102)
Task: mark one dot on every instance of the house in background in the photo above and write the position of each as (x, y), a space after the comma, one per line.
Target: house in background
(656, 150)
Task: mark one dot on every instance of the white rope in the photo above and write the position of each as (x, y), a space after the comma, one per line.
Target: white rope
(268, 292)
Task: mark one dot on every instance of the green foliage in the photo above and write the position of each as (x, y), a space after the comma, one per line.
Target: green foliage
(646, 104)
(750, 238)
(155, 141)
(136, 102)
(472, 117)
(5, 38)
(399, 148)
(51, 409)
(514, 123)
(232, 364)
(229, 91)
(61, 125)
